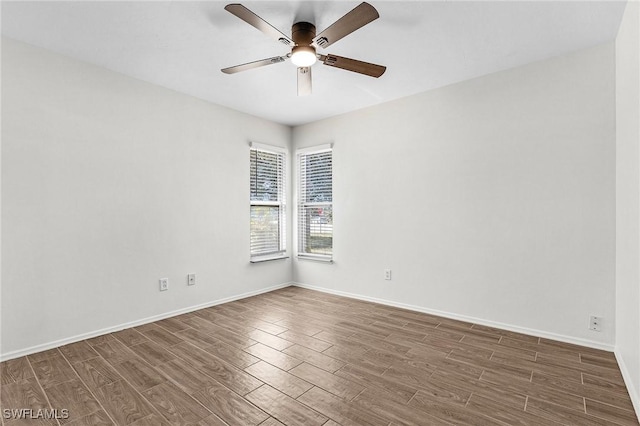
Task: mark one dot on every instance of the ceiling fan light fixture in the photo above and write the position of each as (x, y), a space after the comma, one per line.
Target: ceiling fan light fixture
(303, 56)
(304, 43)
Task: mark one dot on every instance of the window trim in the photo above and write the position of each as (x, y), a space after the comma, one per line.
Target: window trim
(282, 254)
(316, 149)
(259, 258)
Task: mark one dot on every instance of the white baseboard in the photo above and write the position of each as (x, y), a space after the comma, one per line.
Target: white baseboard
(634, 393)
(80, 337)
(479, 321)
(539, 333)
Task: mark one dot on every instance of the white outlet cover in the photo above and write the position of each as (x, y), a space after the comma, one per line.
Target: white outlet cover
(191, 279)
(595, 323)
(164, 284)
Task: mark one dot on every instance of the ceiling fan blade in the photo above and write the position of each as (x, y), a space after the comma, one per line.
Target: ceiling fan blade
(360, 16)
(254, 20)
(354, 65)
(304, 81)
(254, 64)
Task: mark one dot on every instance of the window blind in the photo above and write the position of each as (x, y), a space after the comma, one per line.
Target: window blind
(315, 204)
(267, 199)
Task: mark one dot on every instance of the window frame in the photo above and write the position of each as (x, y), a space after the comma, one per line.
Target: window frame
(300, 204)
(281, 203)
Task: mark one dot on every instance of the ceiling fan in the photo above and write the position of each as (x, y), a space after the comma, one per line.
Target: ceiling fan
(304, 41)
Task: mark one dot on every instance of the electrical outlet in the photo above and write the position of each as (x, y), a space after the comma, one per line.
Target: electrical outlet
(164, 284)
(595, 323)
(387, 274)
(191, 279)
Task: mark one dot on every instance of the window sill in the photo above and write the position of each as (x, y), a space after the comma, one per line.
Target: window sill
(260, 259)
(320, 259)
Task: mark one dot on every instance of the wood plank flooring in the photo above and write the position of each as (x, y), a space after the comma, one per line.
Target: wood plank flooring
(300, 357)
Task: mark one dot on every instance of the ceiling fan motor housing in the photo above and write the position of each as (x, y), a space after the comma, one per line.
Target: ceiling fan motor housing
(303, 33)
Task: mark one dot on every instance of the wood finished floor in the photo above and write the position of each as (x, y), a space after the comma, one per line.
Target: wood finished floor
(300, 357)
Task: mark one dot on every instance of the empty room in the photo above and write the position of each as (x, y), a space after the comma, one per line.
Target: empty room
(320, 213)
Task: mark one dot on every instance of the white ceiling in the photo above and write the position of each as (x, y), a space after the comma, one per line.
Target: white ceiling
(182, 45)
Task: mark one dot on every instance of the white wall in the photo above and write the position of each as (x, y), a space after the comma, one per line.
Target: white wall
(627, 200)
(492, 199)
(108, 184)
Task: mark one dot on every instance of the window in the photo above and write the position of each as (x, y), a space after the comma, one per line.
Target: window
(267, 199)
(315, 203)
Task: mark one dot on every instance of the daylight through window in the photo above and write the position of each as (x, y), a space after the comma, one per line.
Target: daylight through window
(315, 203)
(268, 209)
